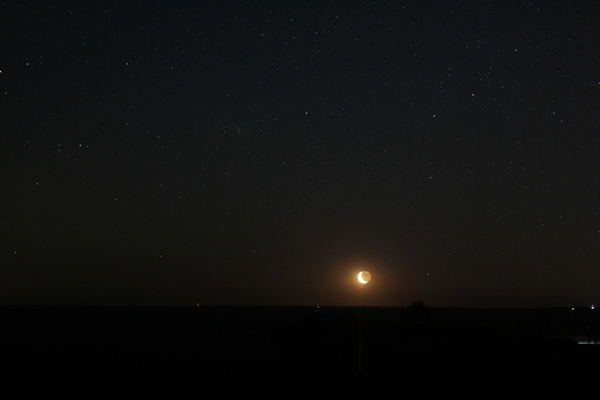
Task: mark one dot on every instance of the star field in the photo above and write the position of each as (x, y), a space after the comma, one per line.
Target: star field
(260, 153)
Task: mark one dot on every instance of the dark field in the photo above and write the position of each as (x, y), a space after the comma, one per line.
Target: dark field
(187, 346)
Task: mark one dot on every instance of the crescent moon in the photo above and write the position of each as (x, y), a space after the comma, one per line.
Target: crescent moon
(364, 279)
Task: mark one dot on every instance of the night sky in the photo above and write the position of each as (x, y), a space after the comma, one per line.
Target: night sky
(264, 152)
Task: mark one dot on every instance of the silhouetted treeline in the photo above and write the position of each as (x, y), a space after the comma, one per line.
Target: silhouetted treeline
(191, 340)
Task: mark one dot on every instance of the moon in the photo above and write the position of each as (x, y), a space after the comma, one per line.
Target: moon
(364, 277)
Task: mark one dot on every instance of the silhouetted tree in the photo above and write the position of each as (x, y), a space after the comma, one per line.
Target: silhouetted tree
(416, 311)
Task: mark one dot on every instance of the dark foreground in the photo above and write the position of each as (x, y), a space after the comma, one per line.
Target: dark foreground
(179, 348)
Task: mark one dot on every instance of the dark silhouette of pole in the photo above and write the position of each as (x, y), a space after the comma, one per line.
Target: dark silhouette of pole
(363, 278)
(360, 348)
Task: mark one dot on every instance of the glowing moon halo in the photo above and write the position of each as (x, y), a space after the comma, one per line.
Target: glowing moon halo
(364, 277)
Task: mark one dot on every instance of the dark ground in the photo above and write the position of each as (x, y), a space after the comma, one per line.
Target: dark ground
(194, 347)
